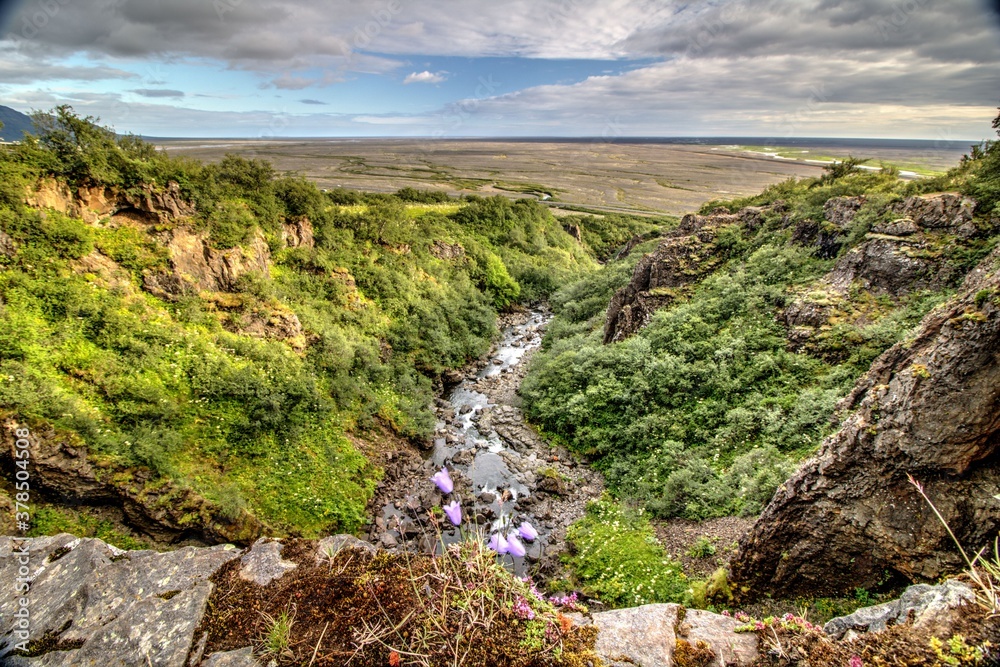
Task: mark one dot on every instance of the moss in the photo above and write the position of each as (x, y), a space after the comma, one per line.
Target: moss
(698, 654)
(420, 607)
(58, 553)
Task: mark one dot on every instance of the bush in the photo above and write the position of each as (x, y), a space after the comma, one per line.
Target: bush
(617, 559)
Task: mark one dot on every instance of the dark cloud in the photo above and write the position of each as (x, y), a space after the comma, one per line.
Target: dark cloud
(158, 92)
(308, 101)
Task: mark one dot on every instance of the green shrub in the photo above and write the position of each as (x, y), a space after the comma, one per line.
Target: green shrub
(617, 559)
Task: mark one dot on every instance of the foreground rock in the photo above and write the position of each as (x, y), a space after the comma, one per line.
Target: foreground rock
(654, 635)
(92, 604)
(935, 610)
(929, 407)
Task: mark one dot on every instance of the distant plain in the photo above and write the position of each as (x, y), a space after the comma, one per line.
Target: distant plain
(600, 176)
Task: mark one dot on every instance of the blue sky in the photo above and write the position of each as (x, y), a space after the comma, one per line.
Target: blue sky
(265, 68)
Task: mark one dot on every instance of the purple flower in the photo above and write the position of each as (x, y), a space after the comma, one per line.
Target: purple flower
(443, 481)
(527, 532)
(522, 609)
(498, 543)
(454, 512)
(514, 546)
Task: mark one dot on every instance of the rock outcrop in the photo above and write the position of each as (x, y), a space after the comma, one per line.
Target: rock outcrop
(196, 266)
(684, 257)
(148, 204)
(443, 250)
(904, 253)
(63, 471)
(297, 233)
(928, 407)
(93, 604)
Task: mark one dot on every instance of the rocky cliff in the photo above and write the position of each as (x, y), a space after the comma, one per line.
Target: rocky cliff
(929, 407)
(684, 257)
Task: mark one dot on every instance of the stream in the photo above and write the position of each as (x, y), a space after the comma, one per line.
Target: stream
(504, 473)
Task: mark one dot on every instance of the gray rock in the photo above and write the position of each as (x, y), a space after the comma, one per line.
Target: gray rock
(929, 607)
(134, 608)
(730, 647)
(242, 657)
(330, 546)
(262, 563)
(7, 245)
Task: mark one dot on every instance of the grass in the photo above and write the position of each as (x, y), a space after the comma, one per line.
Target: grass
(918, 168)
(52, 520)
(277, 636)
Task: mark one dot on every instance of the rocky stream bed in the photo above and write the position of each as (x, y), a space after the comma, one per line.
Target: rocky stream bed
(504, 473)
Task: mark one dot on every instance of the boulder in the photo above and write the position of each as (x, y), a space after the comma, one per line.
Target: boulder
(840, 211)
(932, 609)
(102, 606)
(944, 211)
(928, 407)
(649, 636)
(243, 657)
(262, 562)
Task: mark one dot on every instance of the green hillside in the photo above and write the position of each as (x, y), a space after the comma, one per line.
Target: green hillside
(256, 391)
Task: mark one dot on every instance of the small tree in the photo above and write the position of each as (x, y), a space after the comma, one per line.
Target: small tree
(838, 169)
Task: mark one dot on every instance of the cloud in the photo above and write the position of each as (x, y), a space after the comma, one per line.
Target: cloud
(157, 92)
(697, 66)
(777, 96)
(425, 77)
(308, 101)
(20, 70)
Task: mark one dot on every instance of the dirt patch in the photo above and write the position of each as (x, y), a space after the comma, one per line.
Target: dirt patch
(702, 547)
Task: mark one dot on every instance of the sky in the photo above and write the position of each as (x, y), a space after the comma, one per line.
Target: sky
(927, 69)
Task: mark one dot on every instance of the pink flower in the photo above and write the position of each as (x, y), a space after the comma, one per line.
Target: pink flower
(522, 609)
(725, 612)
(443, 481)
(856, 662)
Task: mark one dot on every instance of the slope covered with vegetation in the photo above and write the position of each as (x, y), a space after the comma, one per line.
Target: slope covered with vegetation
(707, 408)
(264, 392)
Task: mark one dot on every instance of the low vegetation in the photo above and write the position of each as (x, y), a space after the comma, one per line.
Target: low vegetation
(459, 608)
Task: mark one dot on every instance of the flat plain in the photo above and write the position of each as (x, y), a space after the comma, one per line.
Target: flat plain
(601, 176)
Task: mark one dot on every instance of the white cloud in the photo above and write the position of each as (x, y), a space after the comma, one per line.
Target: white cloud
(425, 77)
